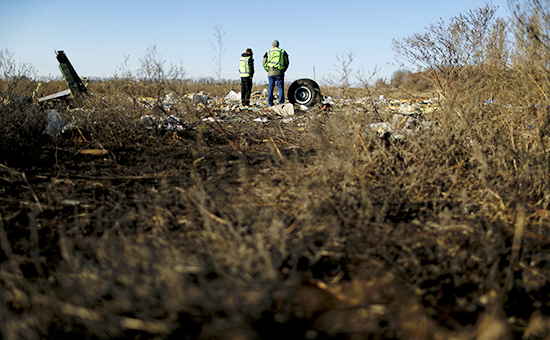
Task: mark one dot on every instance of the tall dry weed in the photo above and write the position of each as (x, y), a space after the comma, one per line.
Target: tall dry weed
(20, 122)
(458, 53)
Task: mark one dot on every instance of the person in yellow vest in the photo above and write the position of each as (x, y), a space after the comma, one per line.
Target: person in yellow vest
(246, 69)
(276, 63)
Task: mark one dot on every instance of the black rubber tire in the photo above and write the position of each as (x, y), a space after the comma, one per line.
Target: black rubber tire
(304, 92)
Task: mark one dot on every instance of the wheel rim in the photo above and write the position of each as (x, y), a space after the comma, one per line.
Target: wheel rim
(302, 95)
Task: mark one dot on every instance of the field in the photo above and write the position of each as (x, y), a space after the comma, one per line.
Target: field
(243, 224)
(415, 208)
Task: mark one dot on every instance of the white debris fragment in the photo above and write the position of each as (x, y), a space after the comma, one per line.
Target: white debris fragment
(289, 120)
(406, 108)
(170, 123)
(233, 96)
(382, 128)
(198, 98)
(56, 125)
(328, 100)
(148, 121)
(284, 110)
(169, 98)
(362, 101)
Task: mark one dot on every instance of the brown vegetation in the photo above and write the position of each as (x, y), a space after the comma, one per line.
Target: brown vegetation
(307, 228)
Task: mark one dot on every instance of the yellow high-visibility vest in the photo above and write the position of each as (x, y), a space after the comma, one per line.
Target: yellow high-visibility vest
(275, 58)
(244, 68)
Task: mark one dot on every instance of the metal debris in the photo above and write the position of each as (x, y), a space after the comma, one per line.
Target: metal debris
(56, 125)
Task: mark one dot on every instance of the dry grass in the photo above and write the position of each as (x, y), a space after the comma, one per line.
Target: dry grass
(311, 228)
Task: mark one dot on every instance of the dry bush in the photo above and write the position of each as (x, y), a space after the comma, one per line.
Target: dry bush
(381, 83)
(446, 50)
(16, 78)
(398, 77)
(530, 61)
(20, 122)
(21, 126)
(344, 79)
(154, 78)
(418, 83)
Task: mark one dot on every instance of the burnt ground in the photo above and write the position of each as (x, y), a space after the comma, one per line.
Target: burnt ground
(309, 228)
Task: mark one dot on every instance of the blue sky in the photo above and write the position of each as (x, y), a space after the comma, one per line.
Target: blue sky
(98, 35)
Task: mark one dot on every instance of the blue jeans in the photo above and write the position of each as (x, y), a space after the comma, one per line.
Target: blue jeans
(280, 80)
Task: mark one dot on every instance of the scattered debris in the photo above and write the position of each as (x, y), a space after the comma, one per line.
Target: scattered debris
(284, 110)
(233, 96)
(261, 120)
(77, 85)
(170, 123)
(303, 92)
(199, 98)
(94, 152)
(402, 124)
(56, 125)
(56, 95)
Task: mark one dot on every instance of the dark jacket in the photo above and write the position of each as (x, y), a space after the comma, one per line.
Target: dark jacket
(250, 63)
(275, 71)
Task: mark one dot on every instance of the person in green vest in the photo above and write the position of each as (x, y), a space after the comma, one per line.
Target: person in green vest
(246, 69)
(276, 63)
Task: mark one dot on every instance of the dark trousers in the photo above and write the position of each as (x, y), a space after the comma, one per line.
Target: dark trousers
(280, 81)
(246, 90)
